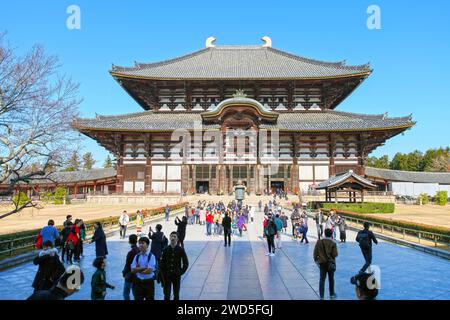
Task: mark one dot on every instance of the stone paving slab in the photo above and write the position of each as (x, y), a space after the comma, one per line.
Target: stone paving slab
(242, 271)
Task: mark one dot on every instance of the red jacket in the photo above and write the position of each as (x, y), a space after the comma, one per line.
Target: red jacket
(74, 235)
(209, 218)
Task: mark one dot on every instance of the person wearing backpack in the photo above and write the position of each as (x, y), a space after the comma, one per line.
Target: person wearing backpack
(325, 253)
(144, 269)
(270, 231)
(174, 263)
(365, 238)
(64, 245)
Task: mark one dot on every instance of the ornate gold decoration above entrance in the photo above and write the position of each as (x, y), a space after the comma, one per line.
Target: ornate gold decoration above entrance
(243, 105)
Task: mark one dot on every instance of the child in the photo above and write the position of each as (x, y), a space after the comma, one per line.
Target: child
(342, 229)
(98, 282)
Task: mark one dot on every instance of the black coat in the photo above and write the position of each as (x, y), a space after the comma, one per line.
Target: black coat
(181, 230)
(101, 250)
(129, 260)
(174, 261)
(159, 242)
(50, 270)
(226, 223)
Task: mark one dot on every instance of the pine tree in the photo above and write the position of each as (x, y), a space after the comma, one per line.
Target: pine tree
(74, 162)
(108, 162)
(88, 161)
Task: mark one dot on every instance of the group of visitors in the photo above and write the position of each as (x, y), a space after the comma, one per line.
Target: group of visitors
(153, 258)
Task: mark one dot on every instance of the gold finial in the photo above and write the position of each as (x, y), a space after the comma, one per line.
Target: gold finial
(267, 42)
(239, 94)
(210, 41)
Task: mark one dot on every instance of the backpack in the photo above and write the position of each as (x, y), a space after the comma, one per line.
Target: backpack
(155, 271)
(364, 240)
(38, 241)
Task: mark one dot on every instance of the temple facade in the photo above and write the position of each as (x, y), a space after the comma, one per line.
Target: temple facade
(228, 113)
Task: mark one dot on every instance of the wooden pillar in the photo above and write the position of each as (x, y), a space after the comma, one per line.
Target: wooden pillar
(249, 188)
(75, 191)
(120, 175)
(230, 180)
(95, 187)
(194, 179)
(148, 176)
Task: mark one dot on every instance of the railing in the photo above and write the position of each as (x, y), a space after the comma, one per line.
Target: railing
(421, 237)
(28, 243)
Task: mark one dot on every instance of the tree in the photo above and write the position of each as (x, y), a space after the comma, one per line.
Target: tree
(108, 162)
(74, 162)
(382, 162)
(399, 162)
(440, 164)
(37, 105)
(88, 161)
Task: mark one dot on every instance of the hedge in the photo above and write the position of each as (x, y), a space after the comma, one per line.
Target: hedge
(396, 223)
(89, 224)
(365, 207)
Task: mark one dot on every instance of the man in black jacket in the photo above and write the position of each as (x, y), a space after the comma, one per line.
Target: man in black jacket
(126, 272)
(174, 263)
(226, 224)
(159, 241)
(365, 238)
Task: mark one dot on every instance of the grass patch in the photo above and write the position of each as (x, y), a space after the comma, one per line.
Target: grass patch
(364, 207)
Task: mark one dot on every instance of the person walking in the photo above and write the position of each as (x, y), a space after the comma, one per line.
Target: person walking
(181, 229)
(304, 228)
(295, 217)
(284, 218)
(342, 229)
(318, 218)
(50, 267)
(241, 223)
(124, 219)
(126, 272)
(365, 238)
(279, 224)
(139, 222)
(72, 242)
(252, 213)
(270, 232)
(325, 253)
(144, 267)
(226, 224)
(65, 248)
(99, 237)
(174, 263)
(49, 233)
(167, 212)
(98, 281)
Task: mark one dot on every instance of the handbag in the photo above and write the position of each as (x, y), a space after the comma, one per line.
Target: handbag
(331, 265)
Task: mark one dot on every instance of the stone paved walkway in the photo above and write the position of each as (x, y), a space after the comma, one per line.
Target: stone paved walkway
(242, 271)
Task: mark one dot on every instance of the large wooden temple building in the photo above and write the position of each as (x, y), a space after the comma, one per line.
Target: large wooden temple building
(228, 113)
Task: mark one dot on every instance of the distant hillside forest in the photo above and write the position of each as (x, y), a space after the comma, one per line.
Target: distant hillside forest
(433, 160)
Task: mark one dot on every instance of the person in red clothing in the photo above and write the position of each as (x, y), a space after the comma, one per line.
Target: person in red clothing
(72, 242)
(209, 222)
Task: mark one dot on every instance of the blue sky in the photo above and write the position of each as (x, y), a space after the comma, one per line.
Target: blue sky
(410, 54)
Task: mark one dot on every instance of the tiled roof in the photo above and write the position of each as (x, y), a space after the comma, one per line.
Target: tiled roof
(325, 120)
(240, 62)
(338, 179)
(75, 176)
(409, 176)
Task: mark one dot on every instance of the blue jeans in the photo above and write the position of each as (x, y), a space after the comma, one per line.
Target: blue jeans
(368, 258)
(208, 228)
(305, 230)
(127, 289)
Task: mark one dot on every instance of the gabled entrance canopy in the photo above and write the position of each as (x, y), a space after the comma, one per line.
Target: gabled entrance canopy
(347, 183)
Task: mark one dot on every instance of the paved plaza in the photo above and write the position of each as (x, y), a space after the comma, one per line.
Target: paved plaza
(242, 271)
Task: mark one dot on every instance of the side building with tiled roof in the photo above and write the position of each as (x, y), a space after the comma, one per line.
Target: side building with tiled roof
(225, 114)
